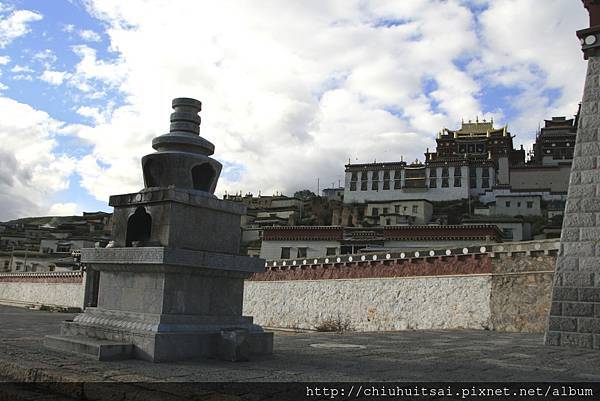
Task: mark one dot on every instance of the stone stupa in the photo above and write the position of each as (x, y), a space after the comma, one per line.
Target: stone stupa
(171, 287)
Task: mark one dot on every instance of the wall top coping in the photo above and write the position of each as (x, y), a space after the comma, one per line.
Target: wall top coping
(493, 250)
(77, 273)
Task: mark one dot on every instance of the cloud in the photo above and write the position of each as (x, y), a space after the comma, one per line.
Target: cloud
(54, 77)
(15, 25)
(68, 28)
(30, 171)
(46, 57)
(3, 87)
(90, 36)
(291, 92)
(20, 68)
(4, 60)
(65, 209)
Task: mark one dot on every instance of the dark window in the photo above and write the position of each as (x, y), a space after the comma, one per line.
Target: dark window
(385, 210)
(202, 177)
(415, 209)
(473, 177)
(445, 174)
(363, 181)
(139, 227)
(433, 182)
(457, 177)
(386, 179)
(285, 252)
(507, 233)
(353, 179)
(507, 203)
(302, 252)
(485, 178)
(375, 212)
(518, 204)
(375, 181)
(397, 208)
(388, 222)
(331, 251)
(397, 179)
(529, 204)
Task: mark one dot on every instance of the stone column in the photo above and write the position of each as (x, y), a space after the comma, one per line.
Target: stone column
(575, 309)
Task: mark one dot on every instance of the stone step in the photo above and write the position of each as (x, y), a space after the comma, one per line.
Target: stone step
(103, 350)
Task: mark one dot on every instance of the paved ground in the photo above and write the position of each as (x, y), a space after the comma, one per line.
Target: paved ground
(409, 356)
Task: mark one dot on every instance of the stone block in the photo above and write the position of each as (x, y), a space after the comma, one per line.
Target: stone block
(596, 341)
(233, 345)
(589, 294)
(570, 234)
(579, 220)
(562, 324)
(590, 177)
(567, 263)
(555, 309)
(585, 325)
(581, 191)
(552, 338)
(583, 163)
(565, 294)
(582, 340)
(577, 279)
(590, 263)
(103, 350)
(578, 248)
(577, 309)
(589, 205)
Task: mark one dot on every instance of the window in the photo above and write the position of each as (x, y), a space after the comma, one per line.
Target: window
(285, 252)
(397, 209)
(507, 203)
(386, 179)
(388, 222)
(331, 251)
(473, 177)
(518, 204)
(445, 177)
(375, 211)
(375, 181)
(302, 252)
(385, 210)
(433, 177)
(415, 209)
(457, 177)
(397, 179)
(353, 180)
(485, 178)
(363, 181)
(529, 204)
(507, 233)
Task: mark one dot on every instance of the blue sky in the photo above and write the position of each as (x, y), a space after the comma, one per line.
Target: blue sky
(290, 92)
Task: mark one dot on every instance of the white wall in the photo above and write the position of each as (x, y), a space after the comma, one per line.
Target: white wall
(372, 304)
(315, 249)
(52, 294)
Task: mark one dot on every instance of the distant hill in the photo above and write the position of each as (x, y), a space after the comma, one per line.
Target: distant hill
(40, 221)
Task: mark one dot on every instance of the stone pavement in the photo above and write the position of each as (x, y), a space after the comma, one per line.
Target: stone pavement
(456, 355)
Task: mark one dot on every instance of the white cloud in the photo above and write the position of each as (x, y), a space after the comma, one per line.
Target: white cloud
(46, 57)
(65, 209)
(4, 60)
(20, 68)
(292, 91)
(90, 36)
(30, 171)
(68, 28)
(3, 87)
(92, 112)
(15, 25)
(54, 77)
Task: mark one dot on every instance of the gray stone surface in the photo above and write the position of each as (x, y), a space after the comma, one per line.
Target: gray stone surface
(576, 295)
(443, 355)
(171, 258)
